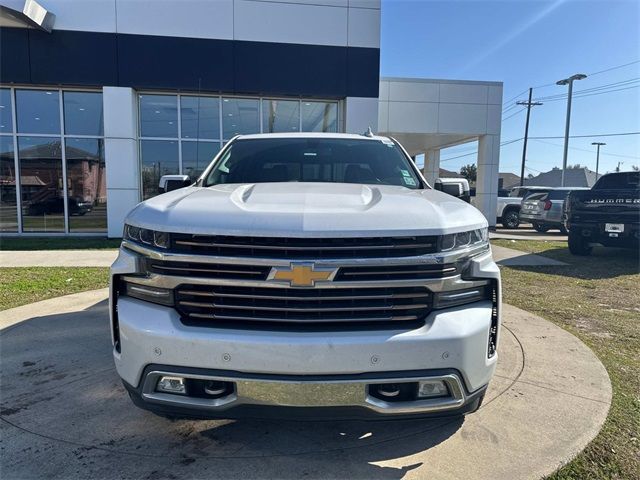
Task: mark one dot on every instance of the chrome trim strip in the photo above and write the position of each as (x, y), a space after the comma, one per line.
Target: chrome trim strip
(311, 249)
(330, 393)
(428, 259)
(392, 296)
(346, 308)
(289, 320)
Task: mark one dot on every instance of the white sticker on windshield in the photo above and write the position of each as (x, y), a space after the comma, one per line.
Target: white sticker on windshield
(409, 181)
(387, 142)
(405, 173)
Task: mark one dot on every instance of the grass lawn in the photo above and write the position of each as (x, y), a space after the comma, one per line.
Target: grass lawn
(597, 298)
(58, 243)
(20, 286)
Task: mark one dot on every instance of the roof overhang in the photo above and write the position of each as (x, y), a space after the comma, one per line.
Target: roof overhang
(32, 15)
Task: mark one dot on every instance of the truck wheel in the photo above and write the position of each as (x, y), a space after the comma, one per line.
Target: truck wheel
(540, 227)
(578, 245)
(511, 219)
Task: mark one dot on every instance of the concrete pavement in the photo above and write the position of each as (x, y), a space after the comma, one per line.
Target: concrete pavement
(524, 233)
(65, 414)
(104, 258)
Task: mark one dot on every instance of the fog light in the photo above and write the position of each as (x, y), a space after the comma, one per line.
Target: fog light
(432, 388)
(174, 385)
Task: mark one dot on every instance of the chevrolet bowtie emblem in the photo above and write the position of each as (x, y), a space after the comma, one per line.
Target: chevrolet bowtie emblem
(302, 274)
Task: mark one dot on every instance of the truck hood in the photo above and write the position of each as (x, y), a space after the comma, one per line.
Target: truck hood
(306, 210)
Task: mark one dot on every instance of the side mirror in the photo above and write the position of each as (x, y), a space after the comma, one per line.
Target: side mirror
(169, 183)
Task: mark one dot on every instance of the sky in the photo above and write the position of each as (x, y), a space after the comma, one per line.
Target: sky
(530, 44)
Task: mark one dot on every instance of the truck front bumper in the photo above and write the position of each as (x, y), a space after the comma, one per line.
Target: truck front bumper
(304, 369)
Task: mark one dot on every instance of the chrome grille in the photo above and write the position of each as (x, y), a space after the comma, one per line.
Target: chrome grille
(307, 248)
(212, 305)
(208, 270)
(395, 272)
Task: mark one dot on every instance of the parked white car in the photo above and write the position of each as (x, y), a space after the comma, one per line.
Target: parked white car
(306, 274)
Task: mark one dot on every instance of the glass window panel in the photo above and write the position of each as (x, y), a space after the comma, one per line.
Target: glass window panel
(41, 184)
(86, 185)
(319, 117)
(38, 111)
(280, 116)
(196, 156)
(159, 116)
(200, 117)
(159, 157)
(8, 205)
(83, 113)
(240, 116)
(6, 120)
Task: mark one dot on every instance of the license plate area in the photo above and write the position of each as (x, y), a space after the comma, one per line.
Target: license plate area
(614, 228)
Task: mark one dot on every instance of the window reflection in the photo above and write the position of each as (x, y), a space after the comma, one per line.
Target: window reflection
(6, 120)
(86, 185)
(196, 156)
(200, 117)
(38, 111)
(159, 116)
(159, 157)
(319, 117)
(41, 184)
(8, 206)
(240, 116)
(83, 113)
(280, 116)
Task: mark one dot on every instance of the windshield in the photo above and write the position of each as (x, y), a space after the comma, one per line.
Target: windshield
(618, 181)
(334, 160)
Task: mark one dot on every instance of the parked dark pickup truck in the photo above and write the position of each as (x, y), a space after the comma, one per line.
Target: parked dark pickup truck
(608, 214)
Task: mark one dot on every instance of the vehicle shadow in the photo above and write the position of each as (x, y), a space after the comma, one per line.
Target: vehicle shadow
(603, 263)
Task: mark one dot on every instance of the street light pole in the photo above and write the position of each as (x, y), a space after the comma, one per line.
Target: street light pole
(598, 144)
(568, 81)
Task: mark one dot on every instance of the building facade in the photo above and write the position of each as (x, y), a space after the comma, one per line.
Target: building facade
(100, 98)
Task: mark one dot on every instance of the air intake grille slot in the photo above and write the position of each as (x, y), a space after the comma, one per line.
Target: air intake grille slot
(211, 305)
(395, 272)
(307, 248)
(208, 270)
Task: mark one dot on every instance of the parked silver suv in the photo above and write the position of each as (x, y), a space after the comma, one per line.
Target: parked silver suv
(544, 209)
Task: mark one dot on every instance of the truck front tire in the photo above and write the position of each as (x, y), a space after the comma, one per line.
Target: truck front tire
(578, 245)
(511, 219)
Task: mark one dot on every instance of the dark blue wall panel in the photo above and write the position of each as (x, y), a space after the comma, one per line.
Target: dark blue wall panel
(75, 58)
(154, 62)
(14, 55)
(175, 63)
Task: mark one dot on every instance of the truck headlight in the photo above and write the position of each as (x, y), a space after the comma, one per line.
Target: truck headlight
(144, 236)
(469, 238)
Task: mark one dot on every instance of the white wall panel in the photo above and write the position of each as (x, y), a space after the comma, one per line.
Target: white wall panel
(120, 107)
(364, 28)
(365, 4)
(384, 91)
(494, 119)
(290, 23)
(192, 18)
(462, 118)
(119, 204)
(122, 164)
(328, 3)
(84, 15)
(495, 95)
(413, 91)
(361, 113)
(463, 93)
(383, 117)
(407, 117)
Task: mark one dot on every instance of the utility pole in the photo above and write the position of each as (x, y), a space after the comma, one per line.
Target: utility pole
(528, 104)
(598, 144)
(568, 81)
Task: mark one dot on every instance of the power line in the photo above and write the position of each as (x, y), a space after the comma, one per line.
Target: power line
(614, 68)
(513, 114)
(589, 151)
(594, 89)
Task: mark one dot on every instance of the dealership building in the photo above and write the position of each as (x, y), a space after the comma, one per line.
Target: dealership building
(100, 98)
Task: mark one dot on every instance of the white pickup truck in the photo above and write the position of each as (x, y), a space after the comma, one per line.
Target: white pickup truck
(305, 274)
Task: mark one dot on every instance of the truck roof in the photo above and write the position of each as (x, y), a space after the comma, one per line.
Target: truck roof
(346, 136)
